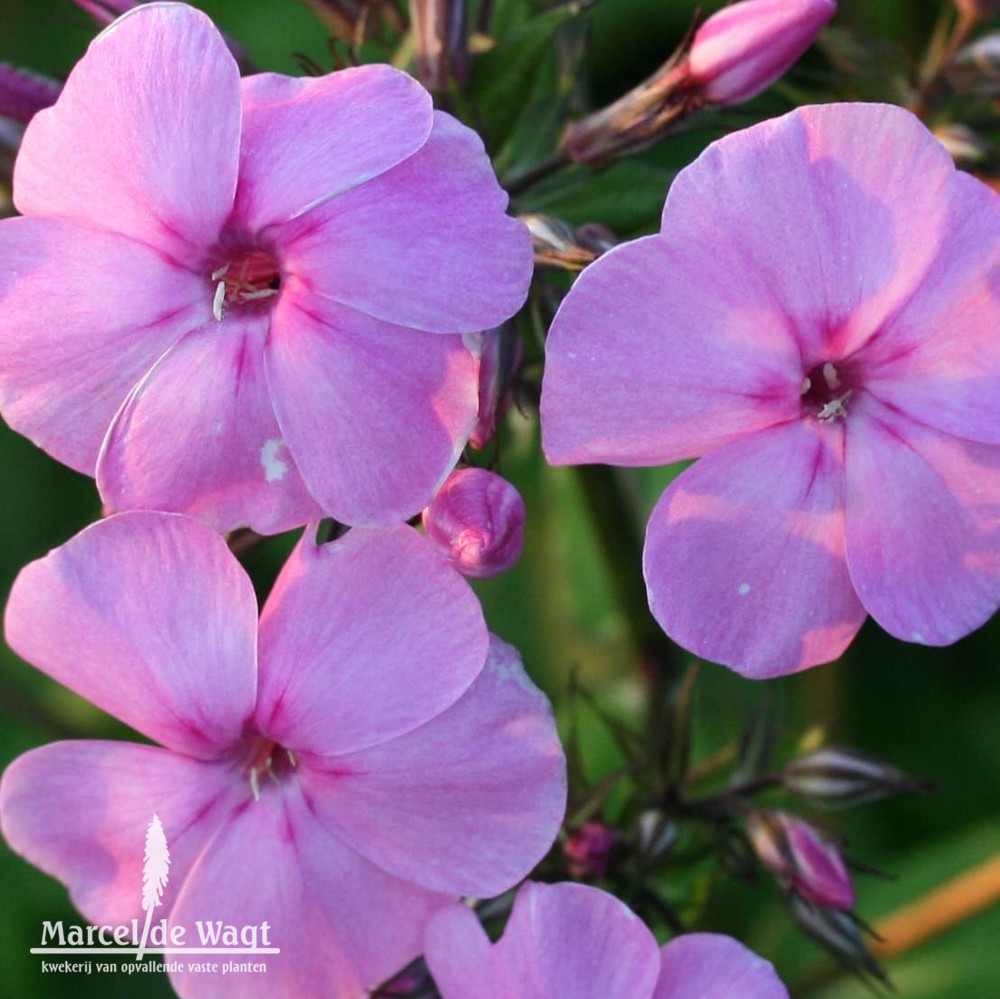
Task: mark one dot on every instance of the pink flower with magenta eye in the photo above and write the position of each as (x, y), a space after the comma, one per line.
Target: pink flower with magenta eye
(341, 773)
(570, 940)
(235, 298)
(818, 320)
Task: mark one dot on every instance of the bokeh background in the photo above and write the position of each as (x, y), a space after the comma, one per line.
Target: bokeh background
(935, 713)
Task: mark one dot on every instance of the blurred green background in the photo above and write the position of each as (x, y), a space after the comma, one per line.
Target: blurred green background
(935, 713)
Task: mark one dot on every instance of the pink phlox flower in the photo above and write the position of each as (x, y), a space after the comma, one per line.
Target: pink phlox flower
(819, 319)
(237, 298)
(568, 939)
(340, 774)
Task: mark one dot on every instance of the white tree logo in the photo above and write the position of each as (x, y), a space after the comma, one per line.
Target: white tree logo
(155, 868)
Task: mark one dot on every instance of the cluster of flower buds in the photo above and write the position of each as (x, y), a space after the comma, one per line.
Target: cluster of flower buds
(735, 55)
(841, 777)
(477, 521)
(842, 933)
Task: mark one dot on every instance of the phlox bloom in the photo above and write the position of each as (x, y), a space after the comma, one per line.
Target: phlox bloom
(236, 298)
(569, 939)
(819, 319)
(362, 759)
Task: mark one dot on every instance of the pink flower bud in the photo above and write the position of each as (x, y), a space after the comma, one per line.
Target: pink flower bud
(744, 48)
(588, 850)
(23, 93)
(977, 9)
(499, 359)
(802, 858)
(477, 518)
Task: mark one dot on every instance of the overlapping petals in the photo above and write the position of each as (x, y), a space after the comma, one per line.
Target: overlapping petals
(384, 762)
(819, 317)
(222, 289)
(573, 940)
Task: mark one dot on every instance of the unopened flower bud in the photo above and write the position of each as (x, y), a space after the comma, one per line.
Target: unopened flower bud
(733, 56)
(967, 148)
(555, 243)
(477, 519)
(499, 358)
(440, 32)
(741, 50)
(839, 777)
(588, 850)
(840, 932)
(23, 93)
(802, 858)
(656, 834)
(978, 9)
(976, 68)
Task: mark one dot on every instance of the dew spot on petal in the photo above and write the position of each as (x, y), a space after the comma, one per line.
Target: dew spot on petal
(743, 589)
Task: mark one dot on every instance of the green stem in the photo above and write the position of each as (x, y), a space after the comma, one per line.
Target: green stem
(621, 542)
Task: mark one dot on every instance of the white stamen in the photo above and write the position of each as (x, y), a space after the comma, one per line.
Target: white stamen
(806, 385)
(220, 272)
(220, 297)
(249, 296)
(255, 783)
(832, 379)
(292, 758)
(834, 409)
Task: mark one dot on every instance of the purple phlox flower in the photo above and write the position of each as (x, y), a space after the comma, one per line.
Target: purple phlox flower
(236, 298)
(477, 522)
(573, 940)
(819, 319)
(341, 774)
(745, 47)
(803, 858)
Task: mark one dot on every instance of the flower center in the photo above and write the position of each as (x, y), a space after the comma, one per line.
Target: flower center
(245, 278)
(264, 761)
(825, 393)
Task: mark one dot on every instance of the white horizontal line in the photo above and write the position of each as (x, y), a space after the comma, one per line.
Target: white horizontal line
(114, 951)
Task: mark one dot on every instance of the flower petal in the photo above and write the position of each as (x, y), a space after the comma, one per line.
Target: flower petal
(145, 137)
(469, 802)
(342, 925)
(222, 460)
(152, 619)
(923, 525)
(837, 211)
(659, 354)
(573, 940)
(83, 315)
(744, 556)
(80, 811)
(306, 140)
(375, 415)
(710, 966)
(460, 957)
(938, 358)
(364, 639)
(399, 247)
